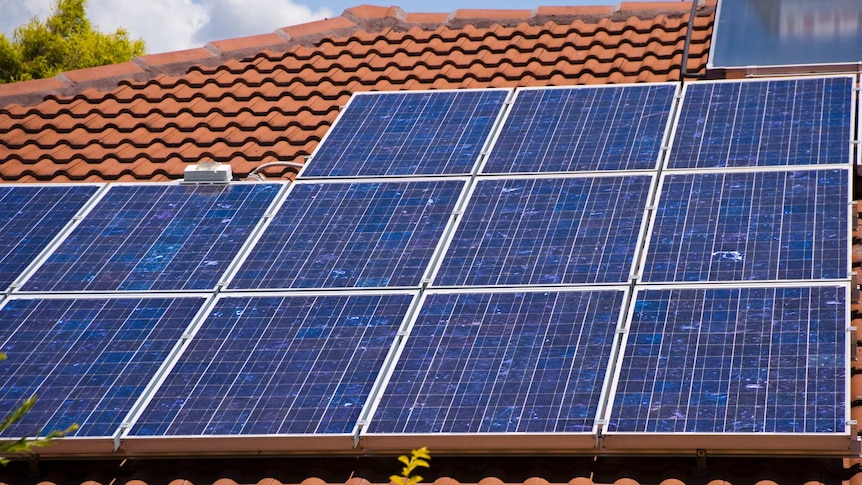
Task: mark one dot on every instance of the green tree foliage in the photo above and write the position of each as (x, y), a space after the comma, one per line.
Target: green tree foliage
(65, 41)
(25, 445)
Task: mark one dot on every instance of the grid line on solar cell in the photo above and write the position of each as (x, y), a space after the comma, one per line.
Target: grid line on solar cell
(409, 134)
(502, 362)
(777, 122)
(277, 365)
(771, 225)
(547, 231)
(361, 234)
(734, 360)
(30, 218)
(156, 237)
(88, 360)
(583, 129)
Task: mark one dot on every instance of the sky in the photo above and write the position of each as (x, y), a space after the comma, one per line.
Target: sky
(171, 25)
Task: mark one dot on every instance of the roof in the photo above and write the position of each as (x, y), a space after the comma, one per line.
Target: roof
(272, 97)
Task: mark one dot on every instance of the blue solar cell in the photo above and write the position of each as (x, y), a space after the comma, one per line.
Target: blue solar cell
(734, 360)
(30, 218)
(88, 360)
(362, 234)
(156, 237)
(502, 362)
(547, 231)
(277, 365)
(405, 133)
(583, 129)
(776, 122)
(750, 226)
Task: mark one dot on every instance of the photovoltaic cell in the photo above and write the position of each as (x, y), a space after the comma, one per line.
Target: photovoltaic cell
(440, 132)
(750, 226)
(502, 362)
(734, 360)
(156, 237)
(583, 129)
(30, 217)
(362, 234)
(88, 360)
(277, 365)
(777, 122)
(547, 231)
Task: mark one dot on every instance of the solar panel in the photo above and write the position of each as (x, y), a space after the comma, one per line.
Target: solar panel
(87, 359)
(31, 217)
(773, 225)
(517, 362)
(408, 133)
(757, 123)
(807, 37)
(583, 129)
(547, 231)
(156, 237)
(358, 234)
(277, 365)
(734, 360)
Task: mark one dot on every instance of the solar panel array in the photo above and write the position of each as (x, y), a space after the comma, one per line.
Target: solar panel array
(554, 267)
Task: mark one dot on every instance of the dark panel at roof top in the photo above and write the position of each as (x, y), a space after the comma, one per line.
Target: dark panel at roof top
(771, 33)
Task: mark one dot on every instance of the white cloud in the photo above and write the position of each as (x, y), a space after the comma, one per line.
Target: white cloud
(164, 24)
(170, 25)
(17, 12)
(244, 17)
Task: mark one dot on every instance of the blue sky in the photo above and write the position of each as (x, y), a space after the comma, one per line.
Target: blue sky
(169, 25)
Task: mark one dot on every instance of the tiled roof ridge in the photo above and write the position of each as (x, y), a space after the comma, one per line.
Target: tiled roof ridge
(352, 24)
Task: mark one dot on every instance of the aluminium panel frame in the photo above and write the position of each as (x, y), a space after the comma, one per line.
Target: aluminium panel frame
(839, 444)
(585, 443)
(95, 446)
(280, 204)
(849, 204)
(257, 444)
(659, 156)
(640, 244)
(494, 128)
(683, 94)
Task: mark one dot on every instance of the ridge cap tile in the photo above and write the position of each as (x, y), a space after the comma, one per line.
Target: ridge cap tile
(318, 28)
(241, 44)
(368, 11)
(172, 58)
(682, 6)
(415, 19)
(107, 72)
(574, 10)
(493, 15)
(31, 86)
